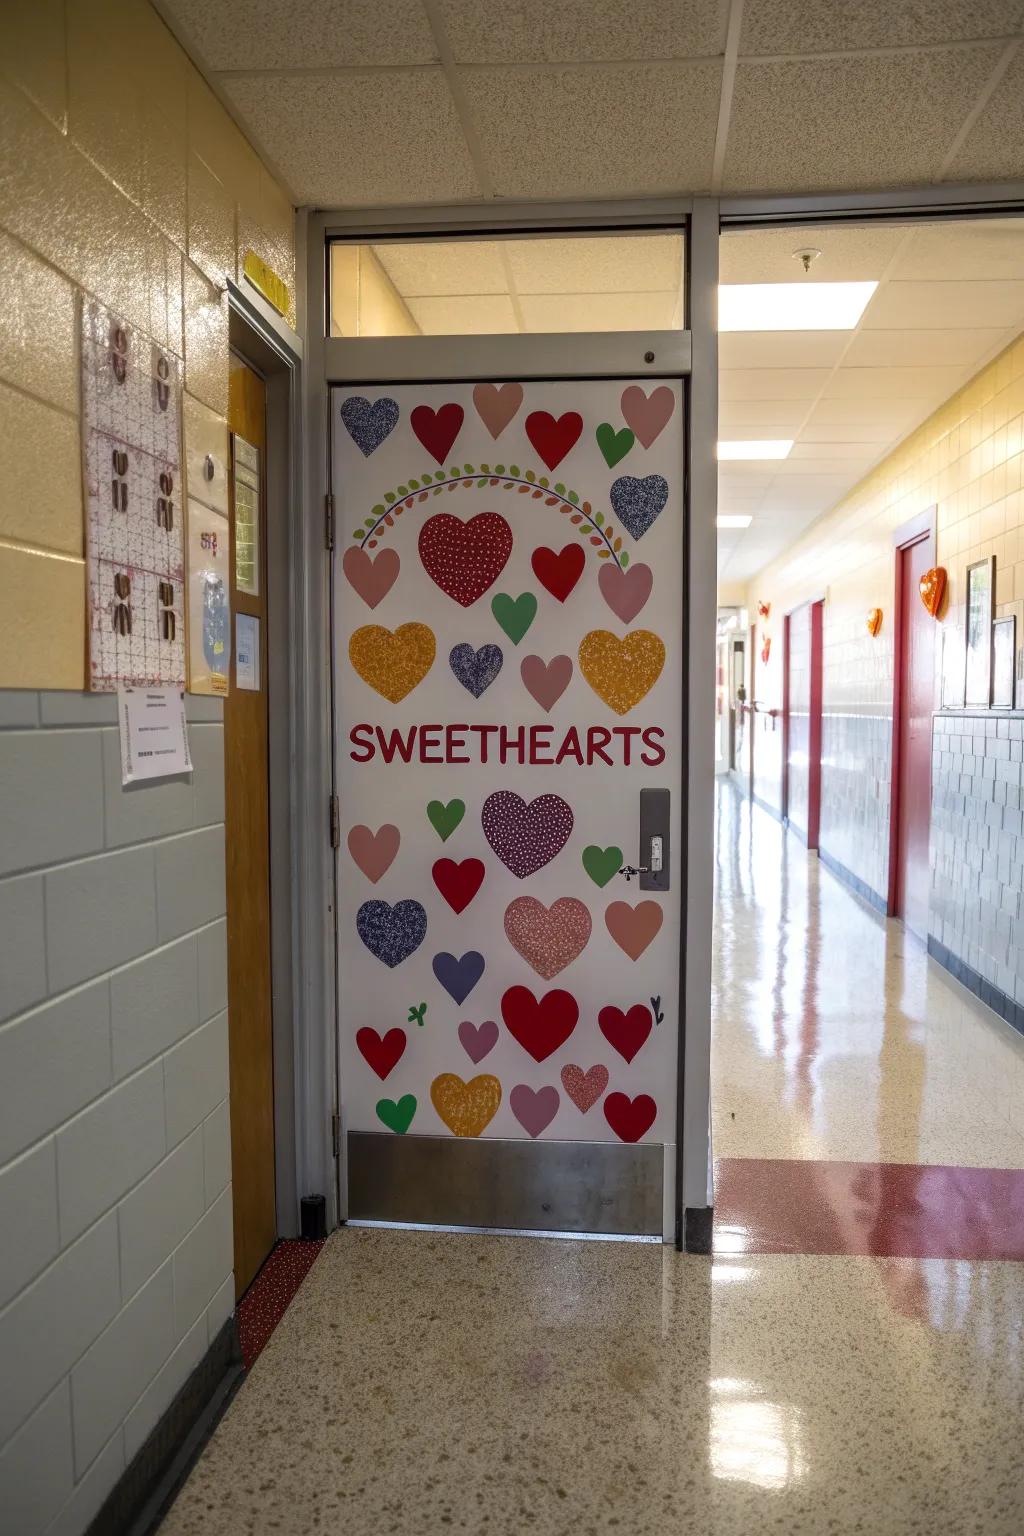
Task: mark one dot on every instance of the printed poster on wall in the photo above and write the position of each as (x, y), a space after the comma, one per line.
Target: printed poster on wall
(209, 606)
(509, 677)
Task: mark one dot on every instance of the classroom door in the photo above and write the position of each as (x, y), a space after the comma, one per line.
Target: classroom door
(914, 744)
(509, 685)
(247, 831)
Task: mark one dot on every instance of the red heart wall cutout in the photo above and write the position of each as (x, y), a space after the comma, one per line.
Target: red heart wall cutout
(558, 574)
(553, 439)
(539, 1026)
(933, 589)
(626, 1031)
(382, 1054)
(437, 430)
(464, 559)
(630, 1118)
(458, 883)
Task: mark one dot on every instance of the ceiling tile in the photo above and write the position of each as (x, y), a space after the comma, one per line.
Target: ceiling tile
(444, 266)
(495, 32)
(598, 311)
(317, 131)
(860, 421)
(807, 26)
(776, 383)
(945, 306)
(597, 264)
(781, 349)
(602, 132)
(992, 149)
(892, 383)
(466, 315)
(753, 418)
(849, 254)
(968, 249)
(875, 121)
(850, 453)
(891, 349)
(297, 34)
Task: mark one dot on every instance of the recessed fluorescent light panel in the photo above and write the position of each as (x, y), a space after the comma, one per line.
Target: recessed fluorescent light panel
(792, 306)
(733, 520)
(756, 448)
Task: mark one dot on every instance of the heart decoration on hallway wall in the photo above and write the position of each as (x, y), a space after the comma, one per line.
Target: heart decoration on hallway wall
(933, 589)
(874, 621)
(558, 574)
(553, 439)
(584, 1088)
(766, 649)
(548, 938)
(369, 424)
(372, 576)
(621, 672)
(392, 664)
(526, 837)
(464, 559)
(466, 1108)
(475, 670)
(546, 681)
(637, 503)
(437, 430)
(540, 1025)
(374, 852)
(648, 415)
(497, 404)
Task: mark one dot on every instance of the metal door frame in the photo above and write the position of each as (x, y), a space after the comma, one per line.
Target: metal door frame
(691, 355)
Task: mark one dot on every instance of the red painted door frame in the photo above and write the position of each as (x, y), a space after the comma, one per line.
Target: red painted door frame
(915, 531)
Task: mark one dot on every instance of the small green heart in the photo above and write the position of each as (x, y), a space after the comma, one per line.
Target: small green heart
(601, 863)
(445, 818)
(514, 614)
(397, 1117)
(614, 445)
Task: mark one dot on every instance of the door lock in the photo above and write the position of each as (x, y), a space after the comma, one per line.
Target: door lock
(629, 870)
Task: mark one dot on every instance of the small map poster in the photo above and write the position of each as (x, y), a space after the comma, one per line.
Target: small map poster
(131, 447)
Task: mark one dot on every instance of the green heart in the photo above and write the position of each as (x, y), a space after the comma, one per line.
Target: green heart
(397, 1117)
(445, 818)
(614, 445)
(601, 863)
(514, 614)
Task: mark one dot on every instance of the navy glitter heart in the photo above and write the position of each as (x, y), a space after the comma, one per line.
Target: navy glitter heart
(636, 503)
(391, 932)
(458, 977)
(368, 425)
(476, 670)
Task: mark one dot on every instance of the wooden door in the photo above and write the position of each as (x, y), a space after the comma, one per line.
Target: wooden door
(914, 741)
(247, 827)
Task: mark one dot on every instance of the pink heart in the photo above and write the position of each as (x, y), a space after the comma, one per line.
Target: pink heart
(548, 938)
(584, 1088)
(647, 415)
(534, 1108)
(546, 681)
(633, 928)
(496, 404)
(625, 592)
(374, 852)
(372, 576)
(478, 1039)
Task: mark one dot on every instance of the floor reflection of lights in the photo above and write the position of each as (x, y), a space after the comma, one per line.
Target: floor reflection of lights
(752, 1439)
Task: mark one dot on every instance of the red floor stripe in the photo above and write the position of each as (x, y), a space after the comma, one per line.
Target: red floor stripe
(886, 1210)
(267, 1299)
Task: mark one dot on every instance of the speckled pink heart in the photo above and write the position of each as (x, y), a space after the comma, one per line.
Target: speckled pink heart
(477, 1040)
(584, 1088)
(548, 938)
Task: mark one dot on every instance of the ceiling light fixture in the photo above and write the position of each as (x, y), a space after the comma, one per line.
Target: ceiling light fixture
(792, 306)
(734, 520)
(756, 448)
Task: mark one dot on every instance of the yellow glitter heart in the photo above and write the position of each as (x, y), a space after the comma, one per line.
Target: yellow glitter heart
(466, 1108)
(392, 664)
(621, 672)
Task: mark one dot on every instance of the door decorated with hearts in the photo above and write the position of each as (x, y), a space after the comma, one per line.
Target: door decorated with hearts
(508, 678)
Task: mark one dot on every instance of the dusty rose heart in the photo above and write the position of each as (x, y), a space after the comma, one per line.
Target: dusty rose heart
(625, 592)
(548, 938)
(546, 681)
(584, 1088)
(534, 1108)
(477, 1040)
(648, 415)
(496, 404)
(372, 576)
(633, 928)
(374, 852)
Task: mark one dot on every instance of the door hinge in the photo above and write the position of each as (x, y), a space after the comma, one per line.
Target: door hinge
(335, 822)
(329, 520)
(336, 1134)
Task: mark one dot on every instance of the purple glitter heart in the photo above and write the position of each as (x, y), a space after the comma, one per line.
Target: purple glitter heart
(526, 837)
(475, 670)
(637, 503)
(391, 933)
(368, 425)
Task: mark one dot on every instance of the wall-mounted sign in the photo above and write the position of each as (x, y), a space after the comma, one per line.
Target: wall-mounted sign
(209, 600)
(247, 652)
(266, 281)
(981, 586)
(154, 741)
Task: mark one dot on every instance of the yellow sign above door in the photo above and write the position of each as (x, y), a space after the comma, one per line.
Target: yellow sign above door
(263, 278)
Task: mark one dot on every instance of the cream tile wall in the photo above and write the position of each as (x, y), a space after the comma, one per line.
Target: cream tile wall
(967, 461)
(123, 178)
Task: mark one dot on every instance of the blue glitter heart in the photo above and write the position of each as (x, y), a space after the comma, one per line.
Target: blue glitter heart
(368, 425)
(636, 503)
(391, 933)
(476, 670)
(458, 977)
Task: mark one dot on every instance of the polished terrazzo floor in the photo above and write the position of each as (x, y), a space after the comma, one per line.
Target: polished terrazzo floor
(422, 1382)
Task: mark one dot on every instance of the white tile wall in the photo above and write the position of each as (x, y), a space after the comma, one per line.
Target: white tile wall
(114, 1131)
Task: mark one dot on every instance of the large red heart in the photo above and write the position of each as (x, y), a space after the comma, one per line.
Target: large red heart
(626, 1031)
(540, 1027)
(558, 573)
(458, 883)
(437, 430)
(382, 1054)
(630, 1118)
(933, 589)
(464, 559)
(553, 439)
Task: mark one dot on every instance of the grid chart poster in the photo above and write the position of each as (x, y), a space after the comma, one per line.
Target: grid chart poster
(509, 663)
(131, 447)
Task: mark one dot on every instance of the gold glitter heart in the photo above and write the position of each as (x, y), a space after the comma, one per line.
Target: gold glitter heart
(621, 672)
(392, 664)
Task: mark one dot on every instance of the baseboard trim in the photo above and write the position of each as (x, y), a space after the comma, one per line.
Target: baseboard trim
(858, 886)
(149, 1484)
(1010, 1012)
(698, 1221)
(772, 810)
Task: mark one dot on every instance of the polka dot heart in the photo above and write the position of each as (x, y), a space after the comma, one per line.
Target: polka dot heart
(526, 837)
(464, 559)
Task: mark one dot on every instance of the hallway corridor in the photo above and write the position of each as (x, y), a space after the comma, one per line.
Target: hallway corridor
(792, 1383)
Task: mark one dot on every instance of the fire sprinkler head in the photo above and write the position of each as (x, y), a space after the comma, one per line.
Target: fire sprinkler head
(806, 254)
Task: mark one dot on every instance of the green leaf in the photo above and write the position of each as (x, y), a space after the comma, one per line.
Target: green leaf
(483, 481)
(544, 481)
(485, 469)
(530, 476)
(499, 469)
(599, 518)
(403, 490)
(414, 485)
(389, 497)
(358, 533)
(470, 470)
(559, 488)
(454, 473)
(369, 521)
(378, 511)
(574, 498)
(624, 558)
(513, 470)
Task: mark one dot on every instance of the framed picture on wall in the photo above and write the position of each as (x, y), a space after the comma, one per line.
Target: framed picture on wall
(952, 667)
(1004, 660)
(981, 585)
